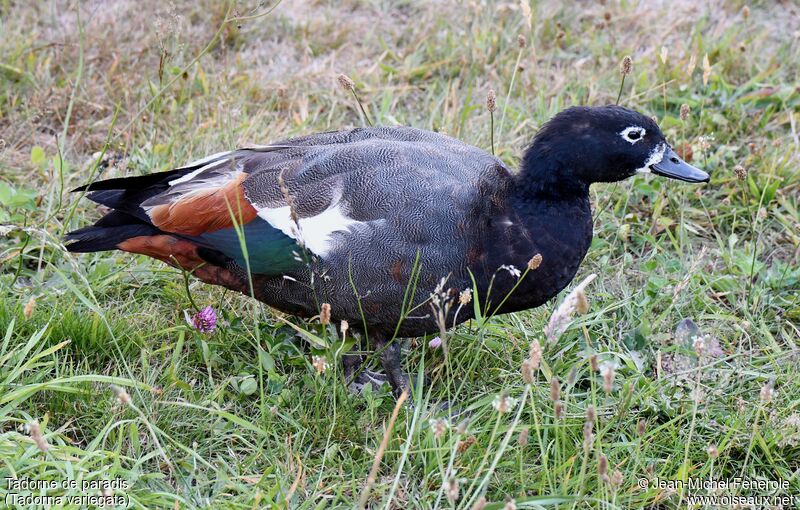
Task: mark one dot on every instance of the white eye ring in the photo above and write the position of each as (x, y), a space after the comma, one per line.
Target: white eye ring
(632, 134)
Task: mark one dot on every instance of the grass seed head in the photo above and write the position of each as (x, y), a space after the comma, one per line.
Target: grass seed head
(767, 393)
(522, 440)
(491, 101)
(325, 314)
(466, 443)
(641, 428)
(346, 83)
(29, 307)
(684, 112)
(626, 66)
(575, 301)
(706, 69)
(284, 187)
(588, 436)
(591, 415)
(740, 171)
(465, 297)
(535, 354)
(37, 436)
(699, 345)
(528, 372)
(479, 504)
(608, 378)
(558, 409)
(121, 394)
(503, 403)
(594, 363)
(535, 262)
(452, 490)
(555, 389)
(616, 478)
(745, 12)
(521, 41)
(712, 451)
(525, 9)
(344, 326)
(602, 467)
(439, 427)
(510, 504)
(664, 54)
(320, 364)
(741, 404)
(690, 67)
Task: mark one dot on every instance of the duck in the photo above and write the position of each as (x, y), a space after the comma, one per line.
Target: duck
(389, 226)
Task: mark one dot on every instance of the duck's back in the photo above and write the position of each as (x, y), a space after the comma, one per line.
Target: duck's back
(382, 210)
(393, 163)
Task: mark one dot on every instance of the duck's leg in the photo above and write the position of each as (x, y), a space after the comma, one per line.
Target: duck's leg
(350, 363)
(392, 365)
(357, 377)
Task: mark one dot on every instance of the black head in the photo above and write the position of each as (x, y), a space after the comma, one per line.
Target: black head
(584, 145)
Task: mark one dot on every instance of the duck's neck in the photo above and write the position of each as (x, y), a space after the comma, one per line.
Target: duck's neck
(544, 175)
(552, 216)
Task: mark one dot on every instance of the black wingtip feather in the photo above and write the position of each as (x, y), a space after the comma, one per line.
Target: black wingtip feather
(136, 182)
(91, 239)
(112, 229)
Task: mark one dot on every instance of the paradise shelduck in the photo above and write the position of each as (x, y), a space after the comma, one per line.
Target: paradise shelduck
(384, 222)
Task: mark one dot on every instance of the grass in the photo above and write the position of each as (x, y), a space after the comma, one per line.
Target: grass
(95, 348)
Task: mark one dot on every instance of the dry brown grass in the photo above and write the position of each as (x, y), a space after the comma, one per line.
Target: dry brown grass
(274, 76)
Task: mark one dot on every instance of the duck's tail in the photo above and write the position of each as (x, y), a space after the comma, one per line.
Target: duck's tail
(108, 233)
(184, 217)
(127, 219)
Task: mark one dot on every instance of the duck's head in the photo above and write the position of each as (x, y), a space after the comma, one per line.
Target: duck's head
(583, 145)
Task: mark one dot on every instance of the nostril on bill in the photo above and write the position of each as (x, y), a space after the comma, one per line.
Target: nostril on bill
(674, 160)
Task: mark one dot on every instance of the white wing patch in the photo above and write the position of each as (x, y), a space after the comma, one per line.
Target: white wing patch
(187, 177)
(213, 161)
(206, 160)
(195, 182)
(655, 157)
(219, 178)
(315, 231)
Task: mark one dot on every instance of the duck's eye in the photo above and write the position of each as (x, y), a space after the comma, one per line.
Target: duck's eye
(632, 134)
